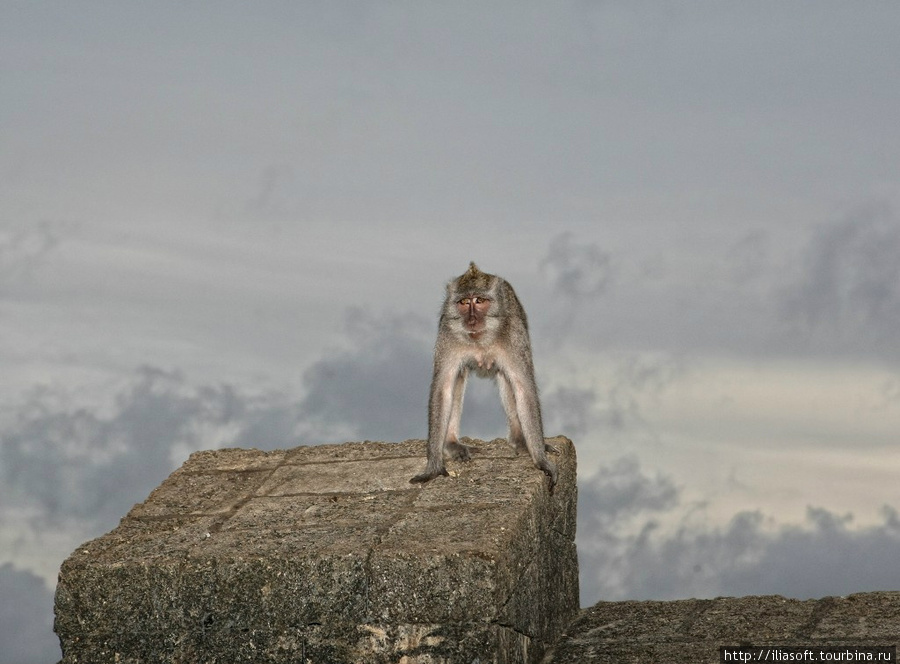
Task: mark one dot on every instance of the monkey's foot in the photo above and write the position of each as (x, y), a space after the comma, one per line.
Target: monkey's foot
(517, 442)
(553, 449)
(428, 475)
(458, 451)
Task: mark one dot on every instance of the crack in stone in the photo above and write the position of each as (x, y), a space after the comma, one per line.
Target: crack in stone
(703, 605)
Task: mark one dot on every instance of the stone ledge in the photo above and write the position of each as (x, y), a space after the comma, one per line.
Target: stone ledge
(328, 554)
(692, 630)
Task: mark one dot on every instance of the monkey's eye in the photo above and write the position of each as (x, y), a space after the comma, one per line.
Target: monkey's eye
(465, 301)
(480, 300)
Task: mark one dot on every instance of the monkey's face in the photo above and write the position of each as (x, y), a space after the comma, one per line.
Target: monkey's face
(473, 311)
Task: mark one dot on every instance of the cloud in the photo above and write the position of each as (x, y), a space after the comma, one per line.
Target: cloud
(615, 406)
(26, 618)
(829, 290)
(577, 270)
(821, 556)
(265, 202)
(621, 490)
(23, 247)
(748, 258)
(626, 553)
(376, 388)
(572, 411)
(88, 465)
(847, 294)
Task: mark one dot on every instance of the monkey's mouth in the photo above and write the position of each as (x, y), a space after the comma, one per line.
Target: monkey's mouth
(475, 336)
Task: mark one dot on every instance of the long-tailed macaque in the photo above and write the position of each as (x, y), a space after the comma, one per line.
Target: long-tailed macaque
(483, 328)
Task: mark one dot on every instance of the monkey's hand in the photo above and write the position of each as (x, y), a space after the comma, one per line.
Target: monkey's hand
(427, 476)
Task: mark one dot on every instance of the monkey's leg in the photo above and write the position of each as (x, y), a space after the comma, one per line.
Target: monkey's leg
(455, 449)
(516, 438)
(440, 406)
(528, 409)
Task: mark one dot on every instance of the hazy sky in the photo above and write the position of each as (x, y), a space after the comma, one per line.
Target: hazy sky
(231, 224)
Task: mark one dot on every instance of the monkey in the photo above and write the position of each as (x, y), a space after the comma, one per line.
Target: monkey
(483, 328)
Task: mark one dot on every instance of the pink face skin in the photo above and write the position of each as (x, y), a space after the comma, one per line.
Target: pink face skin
(473, 311)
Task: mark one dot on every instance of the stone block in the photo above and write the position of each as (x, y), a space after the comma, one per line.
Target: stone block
(327, 554)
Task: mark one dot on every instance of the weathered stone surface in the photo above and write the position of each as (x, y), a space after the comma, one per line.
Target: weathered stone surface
(328, 554)
(692, 631)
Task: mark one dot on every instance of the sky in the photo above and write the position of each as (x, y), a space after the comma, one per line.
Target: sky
(232, 225)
